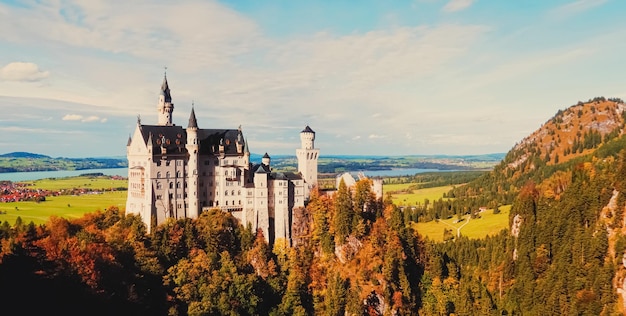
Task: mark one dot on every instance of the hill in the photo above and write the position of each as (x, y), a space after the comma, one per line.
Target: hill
(562, 253)
(21, 154)
(24, 162)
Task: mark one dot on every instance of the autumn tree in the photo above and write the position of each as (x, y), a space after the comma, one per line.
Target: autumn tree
(344, 213)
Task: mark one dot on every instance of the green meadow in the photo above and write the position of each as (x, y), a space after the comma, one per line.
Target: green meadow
(66, 206)
(487, 225)
(417, 196)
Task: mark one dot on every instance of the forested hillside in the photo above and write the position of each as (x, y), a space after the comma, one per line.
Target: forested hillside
(563, 252)
(356, 255)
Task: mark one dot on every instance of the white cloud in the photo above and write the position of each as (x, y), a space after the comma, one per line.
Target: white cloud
(457, 5)
(92, 118)
(576, 7)
(72, 117)
(375, 136)
(21, 71)
(77, 117)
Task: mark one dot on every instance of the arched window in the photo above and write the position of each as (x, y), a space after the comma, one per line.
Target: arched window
(167, 175)
(178, 185)
(159, 185)
(159, 174)
(226, 203)
(171, 185)
(177, 174)
(226, 192)
(232, 192)
(239, 192)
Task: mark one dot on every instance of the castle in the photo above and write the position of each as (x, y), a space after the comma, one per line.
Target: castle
(176, 172)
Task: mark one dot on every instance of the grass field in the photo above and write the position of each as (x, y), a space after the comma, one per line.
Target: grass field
(66, 206)
(39, 213)
(488, 224)
(418, 196)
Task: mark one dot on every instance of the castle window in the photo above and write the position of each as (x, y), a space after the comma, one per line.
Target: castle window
(239, 202)
(167, 163)
(177, 174)
(167, 174)
(179, 162)
(226, 203)
(159, 174)
(178, 185)
(158, 197)
(158, 163)
(226, 192)
(171, 195)
(239, 192)
(171, 185)
(232, 192)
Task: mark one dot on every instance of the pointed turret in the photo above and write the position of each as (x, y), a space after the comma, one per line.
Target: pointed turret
(165, 90)
(266, 159)
(165, 107)
(193, 123)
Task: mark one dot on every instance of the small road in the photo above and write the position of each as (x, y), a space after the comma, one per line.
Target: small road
(458, 229)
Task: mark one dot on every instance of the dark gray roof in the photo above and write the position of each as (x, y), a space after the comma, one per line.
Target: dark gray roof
(260, 168)
(175, 138)
(266, 155)
(165, 90)
(192, 119)
(210, 140)
(285, 176)
(307, 129)
(171, 137)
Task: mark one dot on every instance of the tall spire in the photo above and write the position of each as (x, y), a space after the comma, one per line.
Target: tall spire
(192, 118)
(165, 88)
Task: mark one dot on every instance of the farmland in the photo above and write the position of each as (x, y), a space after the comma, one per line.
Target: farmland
(488, 224)
(87, 194)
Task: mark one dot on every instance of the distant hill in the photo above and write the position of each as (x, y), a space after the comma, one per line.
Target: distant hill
(21, 154)
(329, 164)
(26, 162)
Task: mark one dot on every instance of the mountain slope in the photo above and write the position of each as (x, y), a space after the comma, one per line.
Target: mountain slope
(572, 132)
(563, 252)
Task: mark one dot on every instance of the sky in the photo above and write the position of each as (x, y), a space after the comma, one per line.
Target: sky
(371, 77)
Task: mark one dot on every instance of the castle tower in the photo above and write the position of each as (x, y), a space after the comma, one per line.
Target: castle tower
(266, 160)
(307, 159)
(192, 166)
(165, 107)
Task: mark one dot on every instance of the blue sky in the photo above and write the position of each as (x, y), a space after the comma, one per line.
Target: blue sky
(370, 77)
